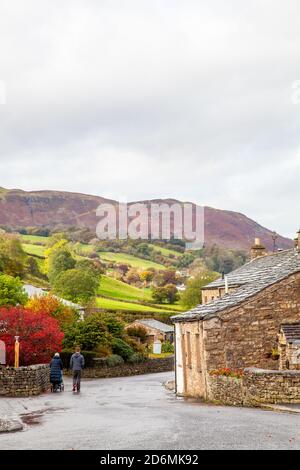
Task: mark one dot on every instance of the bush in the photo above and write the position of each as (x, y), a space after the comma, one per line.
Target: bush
(137, 332)
(89, 333)
(40, 336)
(136, 346)
(121, 348)
(136, 358)
(66, 354)
(167, 347)
(102, 351)
(114, 360)
(11, 291)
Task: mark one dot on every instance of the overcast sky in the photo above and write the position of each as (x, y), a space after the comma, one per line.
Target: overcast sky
(142, 99)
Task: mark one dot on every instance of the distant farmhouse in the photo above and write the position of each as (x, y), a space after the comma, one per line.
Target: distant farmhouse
(248, 319)
(156, 330)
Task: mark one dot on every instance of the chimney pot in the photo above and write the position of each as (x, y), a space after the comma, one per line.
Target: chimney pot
(257, 250)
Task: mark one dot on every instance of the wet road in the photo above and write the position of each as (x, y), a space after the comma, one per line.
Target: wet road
(138, 413)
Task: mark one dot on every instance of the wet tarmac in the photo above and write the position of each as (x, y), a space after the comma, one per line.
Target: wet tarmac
(139, 413)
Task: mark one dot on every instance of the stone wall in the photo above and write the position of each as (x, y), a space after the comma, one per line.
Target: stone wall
(271, 386)
(255, 388)
(225, 390)
(24, 381)
(148, 367)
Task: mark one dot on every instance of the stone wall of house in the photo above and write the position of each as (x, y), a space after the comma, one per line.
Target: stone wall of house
(245, 336)
(225, 390)
(255, 388)
(271, 386)
(24, 381)
(148, 367)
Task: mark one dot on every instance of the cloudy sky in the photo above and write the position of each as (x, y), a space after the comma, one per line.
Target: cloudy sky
(138, 99)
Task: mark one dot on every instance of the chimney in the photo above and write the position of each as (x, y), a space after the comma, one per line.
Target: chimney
(257, 250)
(297, 241)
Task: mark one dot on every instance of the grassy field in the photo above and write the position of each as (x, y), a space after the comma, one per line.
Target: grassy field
(35, 250)
(33, 239)
(110, 287)
(117, 305)
(165, 251)
(129, 259)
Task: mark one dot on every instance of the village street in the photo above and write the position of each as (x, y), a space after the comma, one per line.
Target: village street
(139, 413)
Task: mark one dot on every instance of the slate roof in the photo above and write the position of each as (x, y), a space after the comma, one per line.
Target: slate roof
(158, 325)
(250, 279)
(291, 332)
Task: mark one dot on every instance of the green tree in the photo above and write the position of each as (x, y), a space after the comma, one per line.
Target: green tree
(11, 291)
(89, 334)
(171, 293)
(192, 296)
(77, 285)
(12, 256)
(60, 261)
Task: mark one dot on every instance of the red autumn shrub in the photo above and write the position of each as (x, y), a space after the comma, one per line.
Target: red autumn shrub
(39, 333)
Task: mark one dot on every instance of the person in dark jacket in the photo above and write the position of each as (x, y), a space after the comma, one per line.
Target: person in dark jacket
(77, 364)
(56, 367)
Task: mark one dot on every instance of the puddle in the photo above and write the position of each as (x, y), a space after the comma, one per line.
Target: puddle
(31, 418)
(35, 417)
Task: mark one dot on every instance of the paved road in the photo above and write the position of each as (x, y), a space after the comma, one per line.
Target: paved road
(138, 413)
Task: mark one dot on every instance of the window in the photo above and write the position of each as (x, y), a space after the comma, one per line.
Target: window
(198, 354)
(188, 349)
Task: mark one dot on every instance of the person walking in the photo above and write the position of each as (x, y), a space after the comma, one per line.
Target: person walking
(56, 367)
(77, 364)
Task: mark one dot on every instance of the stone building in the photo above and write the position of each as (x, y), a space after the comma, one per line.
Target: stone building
(156, 330)
(239, 322)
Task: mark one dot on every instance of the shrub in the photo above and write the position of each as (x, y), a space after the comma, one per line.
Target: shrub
(136, 345)
(90, 334)
(54, 308)
(137, 332)
(121, 348)
(167, 347)
(66, 354)
(11, 291)
(137, 358)
(226, 372)
(114, 360)
(114, 326)
(103, 351)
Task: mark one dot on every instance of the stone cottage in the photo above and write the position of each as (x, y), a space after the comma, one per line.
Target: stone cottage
(156, 330)
(245, 321)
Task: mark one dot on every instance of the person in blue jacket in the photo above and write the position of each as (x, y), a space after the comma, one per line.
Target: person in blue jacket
(56, 367)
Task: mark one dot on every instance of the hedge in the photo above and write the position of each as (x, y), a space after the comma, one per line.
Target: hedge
(66, 354)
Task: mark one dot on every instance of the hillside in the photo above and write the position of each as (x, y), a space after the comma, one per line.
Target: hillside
(19, 208)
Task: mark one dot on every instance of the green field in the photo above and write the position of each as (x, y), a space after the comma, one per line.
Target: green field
(129, 259)
(165, 251)
(34, 239)
(110, 287)
(34, 250)
(118, 305)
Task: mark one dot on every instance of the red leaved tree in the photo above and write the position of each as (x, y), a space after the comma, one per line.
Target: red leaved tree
(39, 333)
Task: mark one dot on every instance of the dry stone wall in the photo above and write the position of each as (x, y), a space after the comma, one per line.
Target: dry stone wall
(24, 381)
(256, 387)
